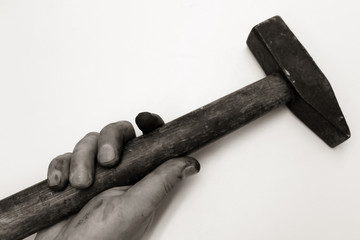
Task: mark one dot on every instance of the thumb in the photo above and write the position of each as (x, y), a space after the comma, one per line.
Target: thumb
(145, 196)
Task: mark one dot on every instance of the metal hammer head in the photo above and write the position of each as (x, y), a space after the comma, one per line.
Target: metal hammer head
(278, 50)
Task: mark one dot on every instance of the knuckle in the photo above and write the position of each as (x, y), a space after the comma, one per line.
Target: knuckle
(110, 125)
(119, 124)
(58, 161)
(126, 124)
(89, 138)
(53, 162)
(66, 155)
(62, 157)
(91, 135)
(117, 129)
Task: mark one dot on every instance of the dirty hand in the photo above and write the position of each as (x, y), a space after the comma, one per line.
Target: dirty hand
(119, 213)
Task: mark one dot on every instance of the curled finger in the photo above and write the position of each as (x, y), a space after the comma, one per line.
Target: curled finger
(111, 141)
(82, 164)
(58, 172)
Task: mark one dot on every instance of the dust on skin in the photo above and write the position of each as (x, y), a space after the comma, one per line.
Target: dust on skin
(109, 208)
(88, 213)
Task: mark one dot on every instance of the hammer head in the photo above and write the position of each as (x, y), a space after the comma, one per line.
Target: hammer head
(278, 50)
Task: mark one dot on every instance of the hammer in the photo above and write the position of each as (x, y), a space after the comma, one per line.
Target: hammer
(293, 79)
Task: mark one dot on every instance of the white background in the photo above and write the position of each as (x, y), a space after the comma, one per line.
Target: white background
(71, 67)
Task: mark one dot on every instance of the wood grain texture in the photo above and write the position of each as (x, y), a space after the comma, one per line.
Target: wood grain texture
(34, 208)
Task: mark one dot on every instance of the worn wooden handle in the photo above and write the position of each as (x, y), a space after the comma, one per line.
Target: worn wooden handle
(34, 208)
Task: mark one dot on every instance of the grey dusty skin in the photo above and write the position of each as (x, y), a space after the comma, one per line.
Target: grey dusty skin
(293, 79)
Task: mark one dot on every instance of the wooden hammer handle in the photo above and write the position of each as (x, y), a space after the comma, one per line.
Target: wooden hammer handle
(34, 208)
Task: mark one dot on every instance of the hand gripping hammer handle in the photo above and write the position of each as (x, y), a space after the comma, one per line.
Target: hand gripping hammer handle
(293, 79)
(37, 207)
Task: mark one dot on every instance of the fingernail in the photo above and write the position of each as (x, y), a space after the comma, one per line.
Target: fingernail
(106, 154)
(191, 169)
(54, 179)
(81, 179)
